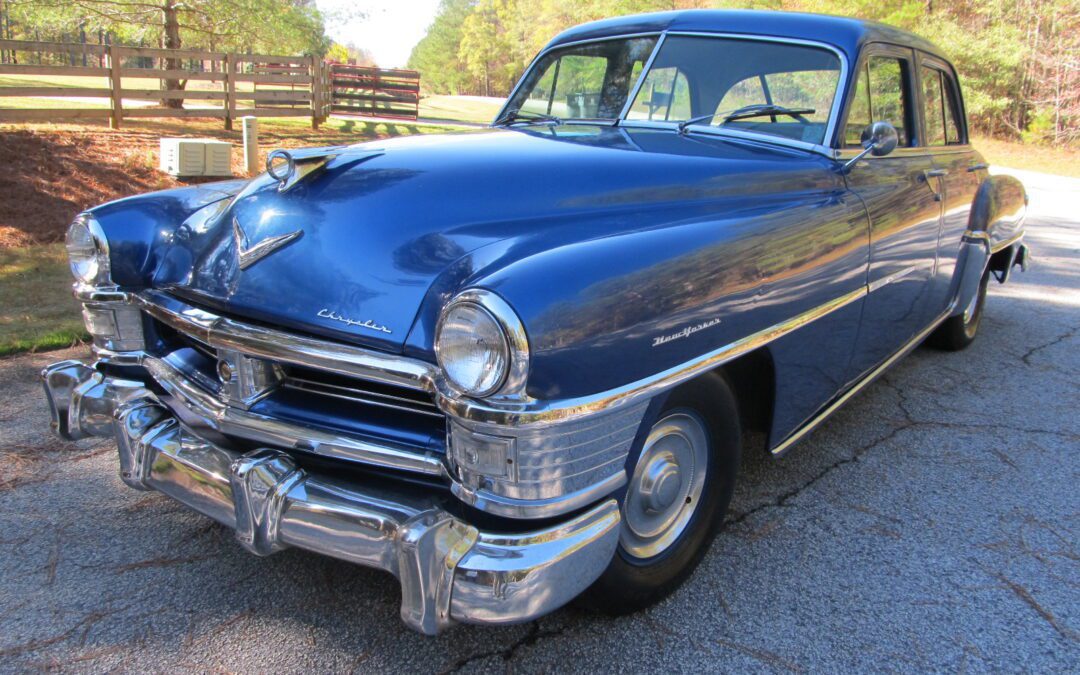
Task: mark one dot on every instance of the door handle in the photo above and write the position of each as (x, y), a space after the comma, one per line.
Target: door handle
(981, 166)
(934, 173)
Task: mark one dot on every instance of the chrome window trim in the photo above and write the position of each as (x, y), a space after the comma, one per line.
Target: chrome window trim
(736, 134)
(645, 68)
(841, 82)
(824, 148)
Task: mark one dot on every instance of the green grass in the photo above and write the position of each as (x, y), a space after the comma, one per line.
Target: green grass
(460, 108)
(37, 310)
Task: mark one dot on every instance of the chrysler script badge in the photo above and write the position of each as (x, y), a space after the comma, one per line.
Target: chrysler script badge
(249, 255)
(366, 323)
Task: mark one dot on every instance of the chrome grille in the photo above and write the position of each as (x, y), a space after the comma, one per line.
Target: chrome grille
(368, 393)
(315, 382)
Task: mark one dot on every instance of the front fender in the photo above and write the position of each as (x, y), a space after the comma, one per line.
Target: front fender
(137, 228)
(996, 225)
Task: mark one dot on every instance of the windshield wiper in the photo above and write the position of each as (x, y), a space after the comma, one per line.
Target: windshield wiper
(756, 110)
(525, 116)
(761, 111)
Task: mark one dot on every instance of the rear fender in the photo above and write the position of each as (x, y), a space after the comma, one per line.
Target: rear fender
(992, 239)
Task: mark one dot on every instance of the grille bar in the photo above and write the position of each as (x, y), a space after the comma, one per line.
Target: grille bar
(362, 395)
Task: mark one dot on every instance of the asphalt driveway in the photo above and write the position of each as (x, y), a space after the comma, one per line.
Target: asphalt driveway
(933, 524)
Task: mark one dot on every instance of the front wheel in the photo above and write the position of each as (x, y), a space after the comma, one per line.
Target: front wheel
(679, 490)
(957, 332)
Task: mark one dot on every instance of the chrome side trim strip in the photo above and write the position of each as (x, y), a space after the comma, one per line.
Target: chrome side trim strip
(403, 371)
(261, 429)
(885, 281)
(544, 413)
(870, 377)
(277, 345)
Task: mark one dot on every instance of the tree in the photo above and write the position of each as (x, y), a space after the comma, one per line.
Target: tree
(436, 55)
(294, 26)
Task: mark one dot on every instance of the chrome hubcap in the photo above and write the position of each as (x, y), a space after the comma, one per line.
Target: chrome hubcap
(666, 486)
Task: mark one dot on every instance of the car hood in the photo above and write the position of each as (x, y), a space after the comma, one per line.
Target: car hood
(368, 229)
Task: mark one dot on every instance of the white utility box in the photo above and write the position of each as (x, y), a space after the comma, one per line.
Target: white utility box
(196, 157)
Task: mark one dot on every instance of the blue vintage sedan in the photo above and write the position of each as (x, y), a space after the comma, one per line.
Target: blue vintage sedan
(515, 365)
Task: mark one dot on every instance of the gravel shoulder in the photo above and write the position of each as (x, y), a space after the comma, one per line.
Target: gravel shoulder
(932, 524)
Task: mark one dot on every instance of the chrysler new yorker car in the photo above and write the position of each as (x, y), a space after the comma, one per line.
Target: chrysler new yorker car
(514, 365)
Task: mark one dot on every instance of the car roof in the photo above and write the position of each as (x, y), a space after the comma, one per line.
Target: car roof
(846, 34)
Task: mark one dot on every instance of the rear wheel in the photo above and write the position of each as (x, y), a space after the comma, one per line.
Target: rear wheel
(679, 490)
(957, 332)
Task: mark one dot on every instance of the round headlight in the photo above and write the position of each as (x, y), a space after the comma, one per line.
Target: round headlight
(88, 252)
(472, 349)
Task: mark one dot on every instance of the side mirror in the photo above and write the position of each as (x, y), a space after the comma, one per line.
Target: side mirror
(878, 139)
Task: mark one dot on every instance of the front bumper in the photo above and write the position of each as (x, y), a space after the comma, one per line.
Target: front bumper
(448, 569)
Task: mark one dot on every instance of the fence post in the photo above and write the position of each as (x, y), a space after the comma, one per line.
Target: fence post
(230, 89)
(313, 71)
(250, 127)
(115, 92)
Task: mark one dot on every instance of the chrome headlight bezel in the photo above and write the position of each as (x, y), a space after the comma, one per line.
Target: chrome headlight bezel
(511, 381)
(88, 252)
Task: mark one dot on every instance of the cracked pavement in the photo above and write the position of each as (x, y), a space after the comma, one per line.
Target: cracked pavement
(932, 524)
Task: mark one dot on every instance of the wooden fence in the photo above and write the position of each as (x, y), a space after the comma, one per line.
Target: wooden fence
(225, 86)
(377, 92)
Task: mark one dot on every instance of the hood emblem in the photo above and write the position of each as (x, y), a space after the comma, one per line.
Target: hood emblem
(249, 255)
(366, 323)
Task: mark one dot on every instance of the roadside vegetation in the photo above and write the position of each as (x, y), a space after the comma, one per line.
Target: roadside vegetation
(1017, 59)
(37, 310)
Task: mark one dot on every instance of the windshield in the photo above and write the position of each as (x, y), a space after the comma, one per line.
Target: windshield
(774, 88)
(591, 81)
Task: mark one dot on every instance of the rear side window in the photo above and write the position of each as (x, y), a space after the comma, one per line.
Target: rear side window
(933, 106)
(952, 112)
(880, 96)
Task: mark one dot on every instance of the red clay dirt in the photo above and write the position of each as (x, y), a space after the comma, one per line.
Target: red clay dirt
(52, 172)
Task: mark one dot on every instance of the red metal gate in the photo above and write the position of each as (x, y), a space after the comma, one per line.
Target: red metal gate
(375, 92)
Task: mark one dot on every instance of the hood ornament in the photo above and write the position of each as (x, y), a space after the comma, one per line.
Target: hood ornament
(250, 255)
(281, 172)
(291, 168)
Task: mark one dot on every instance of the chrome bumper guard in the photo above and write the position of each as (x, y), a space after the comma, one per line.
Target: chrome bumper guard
(448, 569)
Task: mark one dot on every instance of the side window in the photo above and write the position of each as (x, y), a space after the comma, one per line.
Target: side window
(888, 101)
(571, 88)
(933, 106)
(859, 114)
(952, 112)
(665, 95)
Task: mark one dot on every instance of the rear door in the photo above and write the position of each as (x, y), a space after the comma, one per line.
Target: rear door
(901, 204)
(958, 168)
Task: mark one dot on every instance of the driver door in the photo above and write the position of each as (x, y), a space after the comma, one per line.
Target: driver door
(901, 204)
